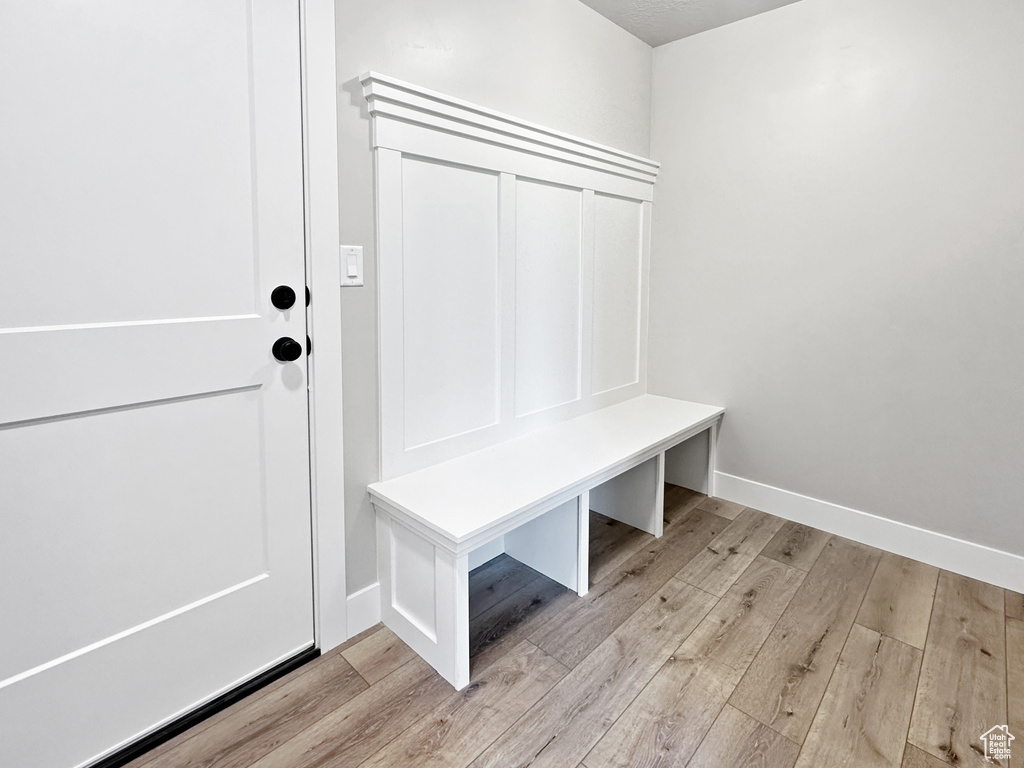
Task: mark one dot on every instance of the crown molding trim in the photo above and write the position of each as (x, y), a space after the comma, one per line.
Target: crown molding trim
(395, 104)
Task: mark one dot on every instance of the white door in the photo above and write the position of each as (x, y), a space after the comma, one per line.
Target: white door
(154, 471)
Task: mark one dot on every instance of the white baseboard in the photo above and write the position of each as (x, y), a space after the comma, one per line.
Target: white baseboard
(964, 557)
(363, 609)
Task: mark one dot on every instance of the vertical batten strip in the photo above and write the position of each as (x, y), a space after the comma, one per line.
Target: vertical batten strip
(507, 300)
(587, 297)
(645, 291)
(391, 309)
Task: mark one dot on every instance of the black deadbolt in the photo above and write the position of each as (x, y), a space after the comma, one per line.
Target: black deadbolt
(282, 297)
(287, 350)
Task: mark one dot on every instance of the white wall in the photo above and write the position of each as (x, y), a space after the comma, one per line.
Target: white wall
(838, 254)
(554, 62)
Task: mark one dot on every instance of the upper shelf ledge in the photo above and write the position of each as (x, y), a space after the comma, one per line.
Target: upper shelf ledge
(397, 100)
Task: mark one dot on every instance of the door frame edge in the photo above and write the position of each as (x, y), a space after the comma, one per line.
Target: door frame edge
(323, 275)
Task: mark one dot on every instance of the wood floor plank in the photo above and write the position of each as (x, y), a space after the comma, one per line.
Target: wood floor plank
(666, 723)
(1015, 684)
(899, 600)
(377, 656)
(175, 742)
(796, 545)
(612, 543)
(729, 639)
(250, 732)
(357, 638)
(353, 732)
(589, 620)
(1014, 605)
(737, 740)
(294, 679)
(679, 501)
(915, 758)
(784, 685)
(727, 509)
(863, 719)
(962, 688)
(460, 729)
(626, 703)
(494, 581)
(561, 729)
(505, 625)
(727, 555)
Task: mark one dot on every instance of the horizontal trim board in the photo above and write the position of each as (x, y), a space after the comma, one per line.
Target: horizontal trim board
(363, 609)
(966, 558)
(401, 115)
(414, 140)
(388, 96)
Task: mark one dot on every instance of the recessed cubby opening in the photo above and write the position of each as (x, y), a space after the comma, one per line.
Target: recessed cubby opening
(510, 597)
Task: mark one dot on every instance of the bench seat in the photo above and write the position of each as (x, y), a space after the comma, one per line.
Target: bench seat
(532, 490)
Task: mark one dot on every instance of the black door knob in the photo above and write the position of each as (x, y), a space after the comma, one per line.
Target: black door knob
(282, 297)
(286, 349)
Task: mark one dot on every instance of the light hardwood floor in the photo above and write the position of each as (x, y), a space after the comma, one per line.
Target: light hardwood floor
(735, 640)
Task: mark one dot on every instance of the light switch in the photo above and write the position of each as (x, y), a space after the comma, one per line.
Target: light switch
(351, 265)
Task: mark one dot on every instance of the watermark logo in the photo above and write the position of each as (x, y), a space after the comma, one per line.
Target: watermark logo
(997, 743)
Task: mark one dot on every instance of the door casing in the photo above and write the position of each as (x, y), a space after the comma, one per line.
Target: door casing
(323, 270)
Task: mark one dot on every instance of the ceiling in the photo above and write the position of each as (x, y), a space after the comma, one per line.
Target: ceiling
(662, 21)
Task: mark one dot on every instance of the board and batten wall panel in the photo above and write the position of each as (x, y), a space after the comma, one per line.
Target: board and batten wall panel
(555, 62)
(512, 266)
(449, 294)
(618, 265)
(549, 241)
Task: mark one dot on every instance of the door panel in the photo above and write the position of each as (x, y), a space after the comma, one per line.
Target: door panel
(124, 110)
(154, 467)
(105, 464)
(78, 368)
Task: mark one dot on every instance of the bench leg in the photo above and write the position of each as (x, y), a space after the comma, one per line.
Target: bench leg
(636, 497)
(583, 543)
(712, 455)
(425, 598)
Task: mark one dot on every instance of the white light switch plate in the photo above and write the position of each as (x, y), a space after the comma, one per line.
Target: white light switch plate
(351, 265)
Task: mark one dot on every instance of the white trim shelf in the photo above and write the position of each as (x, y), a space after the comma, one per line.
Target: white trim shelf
(460, 503)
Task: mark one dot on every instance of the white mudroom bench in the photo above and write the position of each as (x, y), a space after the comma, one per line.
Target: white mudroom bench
(533, 492)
